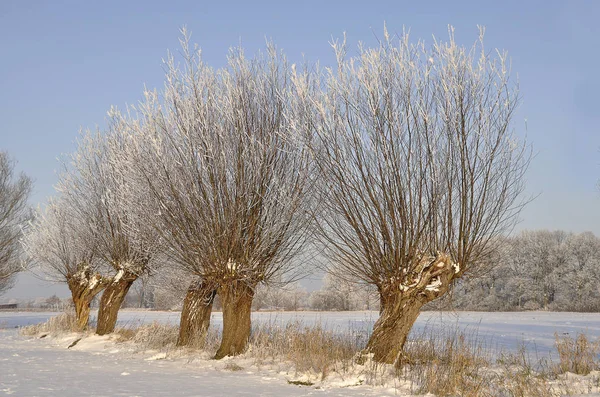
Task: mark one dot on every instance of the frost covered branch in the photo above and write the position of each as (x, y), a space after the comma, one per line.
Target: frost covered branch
(420, 172)
(14, 213)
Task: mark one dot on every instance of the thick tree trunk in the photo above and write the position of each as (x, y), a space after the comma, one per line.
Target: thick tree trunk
(237, 304)
(401, 300)
(111, 301)
(393, 326)
(195, 315)
(82, 312)
(83, 291)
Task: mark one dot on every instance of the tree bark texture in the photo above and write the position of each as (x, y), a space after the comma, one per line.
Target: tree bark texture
(195, 315)
(83, 291)
(237, 304)
(392, 328)
(111, 301)
(401, 303)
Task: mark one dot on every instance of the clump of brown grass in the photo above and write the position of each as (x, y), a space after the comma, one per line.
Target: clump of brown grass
(444, 365)
(460, 364)
(159, 336)
(310, 349)
(520, 377)
(63, 323)
(156, 335)
(578, 355)
(153, 336)
(125, 333)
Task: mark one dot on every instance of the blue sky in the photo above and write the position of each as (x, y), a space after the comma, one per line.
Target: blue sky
(64, 63)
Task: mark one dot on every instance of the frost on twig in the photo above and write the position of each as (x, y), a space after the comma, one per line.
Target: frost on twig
(416, 154)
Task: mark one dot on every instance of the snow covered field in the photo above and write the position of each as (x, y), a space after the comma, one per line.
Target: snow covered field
(39, 367)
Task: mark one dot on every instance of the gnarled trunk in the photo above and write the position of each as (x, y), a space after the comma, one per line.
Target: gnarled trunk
(195, 315)
(393, 326)
(237, 304)
(384, 300)
(83, 290)
(401, 303)
(111, 301)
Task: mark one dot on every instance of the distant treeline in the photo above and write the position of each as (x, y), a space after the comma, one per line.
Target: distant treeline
(539, 270)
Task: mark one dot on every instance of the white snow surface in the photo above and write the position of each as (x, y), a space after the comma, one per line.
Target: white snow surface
(97, 366)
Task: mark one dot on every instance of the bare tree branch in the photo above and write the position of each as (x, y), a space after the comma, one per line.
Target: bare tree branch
(56, 245)
(229, 176)
(14, 213)
(420, 171)
(94, 187)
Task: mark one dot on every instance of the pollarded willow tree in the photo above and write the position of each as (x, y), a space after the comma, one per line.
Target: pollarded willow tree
(57, 244)
(230, 180)
(420, 170)
(94, 186)
(14, 213)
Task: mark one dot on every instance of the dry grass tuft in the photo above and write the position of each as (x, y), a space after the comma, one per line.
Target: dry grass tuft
(458, 364)
(309, 349)
(125, 333)
(445, 365)
(153, 336)
(520, 377)
(63, 323)
(159, 336)
(577, 355)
